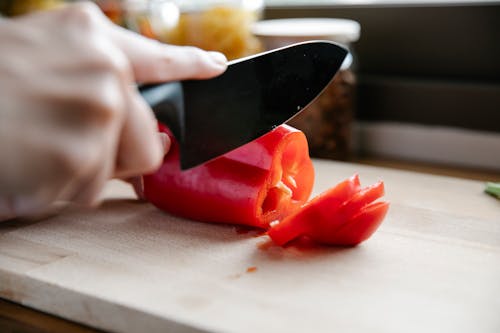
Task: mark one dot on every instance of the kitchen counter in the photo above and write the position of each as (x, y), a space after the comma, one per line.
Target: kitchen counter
(432, 266)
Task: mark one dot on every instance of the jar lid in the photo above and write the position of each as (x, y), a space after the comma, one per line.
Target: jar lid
(300, 29)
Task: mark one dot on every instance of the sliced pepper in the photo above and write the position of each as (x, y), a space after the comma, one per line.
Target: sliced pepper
(343, 215)
(266, 184)
(262, 181)
(362, 226)
(293, 226)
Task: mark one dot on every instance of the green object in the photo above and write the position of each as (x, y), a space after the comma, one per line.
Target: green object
(493, 189)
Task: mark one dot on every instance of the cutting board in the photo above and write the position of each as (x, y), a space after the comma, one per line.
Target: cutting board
(433, 266)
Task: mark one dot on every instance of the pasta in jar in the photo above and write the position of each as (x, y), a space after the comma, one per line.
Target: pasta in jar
(222, 25)
(223, 29)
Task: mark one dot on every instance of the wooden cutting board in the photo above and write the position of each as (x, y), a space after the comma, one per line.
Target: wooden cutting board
(433, 266)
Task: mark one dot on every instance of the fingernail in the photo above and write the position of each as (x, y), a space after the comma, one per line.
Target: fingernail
(218, 58)
(165, 142)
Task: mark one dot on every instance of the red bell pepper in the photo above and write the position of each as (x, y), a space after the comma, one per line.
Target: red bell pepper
(268, 180)
(343, 215)
(262, 181)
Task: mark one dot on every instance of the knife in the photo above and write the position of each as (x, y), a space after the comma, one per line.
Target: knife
(254, 95)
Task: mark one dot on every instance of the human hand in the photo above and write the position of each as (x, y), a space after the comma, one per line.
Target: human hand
(70, 116)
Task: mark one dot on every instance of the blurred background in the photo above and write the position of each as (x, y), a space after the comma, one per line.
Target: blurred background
(421, 87)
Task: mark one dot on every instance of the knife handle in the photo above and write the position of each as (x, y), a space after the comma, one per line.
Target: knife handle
(167, 102)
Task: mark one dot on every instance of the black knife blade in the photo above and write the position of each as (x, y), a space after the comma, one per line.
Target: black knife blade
(255, 94)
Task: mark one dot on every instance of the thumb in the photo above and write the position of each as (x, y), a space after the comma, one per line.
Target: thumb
(137, 181)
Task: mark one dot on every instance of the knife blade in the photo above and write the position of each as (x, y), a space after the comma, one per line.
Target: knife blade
(254, 95)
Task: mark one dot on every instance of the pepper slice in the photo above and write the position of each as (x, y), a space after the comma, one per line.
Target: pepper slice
(262, 181)
(343, 215)
(362, 226)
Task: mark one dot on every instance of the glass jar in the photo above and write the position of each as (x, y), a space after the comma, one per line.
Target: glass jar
(214, 25)
(327, 122)
(18, 7)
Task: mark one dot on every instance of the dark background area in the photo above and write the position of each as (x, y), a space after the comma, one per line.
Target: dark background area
(426, 64)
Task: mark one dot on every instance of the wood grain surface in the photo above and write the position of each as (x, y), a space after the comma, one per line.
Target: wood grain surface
(127, 267)
(15, 318)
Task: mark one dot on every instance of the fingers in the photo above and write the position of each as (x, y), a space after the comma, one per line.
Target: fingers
(88, 194)
(138, 185)
(139, 152)
(140, 149)
(137, 181)
(165, 142)
(150, 60)
(86, 190)
(155, 62)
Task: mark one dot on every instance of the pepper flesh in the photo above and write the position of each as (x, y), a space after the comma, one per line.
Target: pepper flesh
(343, 215)
(260, 182)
